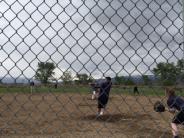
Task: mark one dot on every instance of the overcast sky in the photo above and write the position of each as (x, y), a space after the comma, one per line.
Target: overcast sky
(98, 37)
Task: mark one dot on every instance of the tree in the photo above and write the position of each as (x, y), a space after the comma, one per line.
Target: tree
(180, 66)
(146, 79)
(129, 81)
(167, 73)
(83, 79)
(44, 71)
(90, 79)
(67, 77)
(120, 80)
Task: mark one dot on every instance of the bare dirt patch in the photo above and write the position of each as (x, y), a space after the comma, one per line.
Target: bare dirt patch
(74, 115)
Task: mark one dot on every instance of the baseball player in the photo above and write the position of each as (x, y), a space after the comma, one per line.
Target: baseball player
(104, 95)
(32, 86)
(136, 90)
(175, 103)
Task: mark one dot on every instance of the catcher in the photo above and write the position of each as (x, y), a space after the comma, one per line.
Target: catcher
(175, 103)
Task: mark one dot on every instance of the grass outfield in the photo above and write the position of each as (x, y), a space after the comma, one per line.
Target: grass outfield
(127, 90)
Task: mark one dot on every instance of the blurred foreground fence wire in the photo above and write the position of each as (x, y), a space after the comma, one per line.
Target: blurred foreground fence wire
(50, 51)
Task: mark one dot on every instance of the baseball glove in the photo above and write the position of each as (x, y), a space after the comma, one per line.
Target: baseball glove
(159, 107)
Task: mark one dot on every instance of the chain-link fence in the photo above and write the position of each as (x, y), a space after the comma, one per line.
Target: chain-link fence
(53, 53)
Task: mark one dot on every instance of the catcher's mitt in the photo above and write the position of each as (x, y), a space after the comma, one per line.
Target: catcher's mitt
(159, 107)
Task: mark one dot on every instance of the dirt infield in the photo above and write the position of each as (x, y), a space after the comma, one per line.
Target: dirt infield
(74, 115)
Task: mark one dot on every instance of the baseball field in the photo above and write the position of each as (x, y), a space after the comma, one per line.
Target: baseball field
(54, 114)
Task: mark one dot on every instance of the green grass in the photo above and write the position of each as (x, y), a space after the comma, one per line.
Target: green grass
(44, 89)
(154, 91)
(127, 90)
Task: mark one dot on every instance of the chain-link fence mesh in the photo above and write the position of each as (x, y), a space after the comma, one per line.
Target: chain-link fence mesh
(53, 52)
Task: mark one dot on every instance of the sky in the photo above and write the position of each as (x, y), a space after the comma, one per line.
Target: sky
(97, 37)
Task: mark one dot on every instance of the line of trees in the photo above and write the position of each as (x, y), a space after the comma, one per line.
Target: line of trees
(166, 74)
(79, 79)
(119, 80)
(122, 80)
(45, 72)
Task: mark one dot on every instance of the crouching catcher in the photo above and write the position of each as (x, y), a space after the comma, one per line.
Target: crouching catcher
(175, 106)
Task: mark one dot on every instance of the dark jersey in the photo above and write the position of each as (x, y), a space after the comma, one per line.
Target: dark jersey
(105, 88)
(104, 94)
(175, 102)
